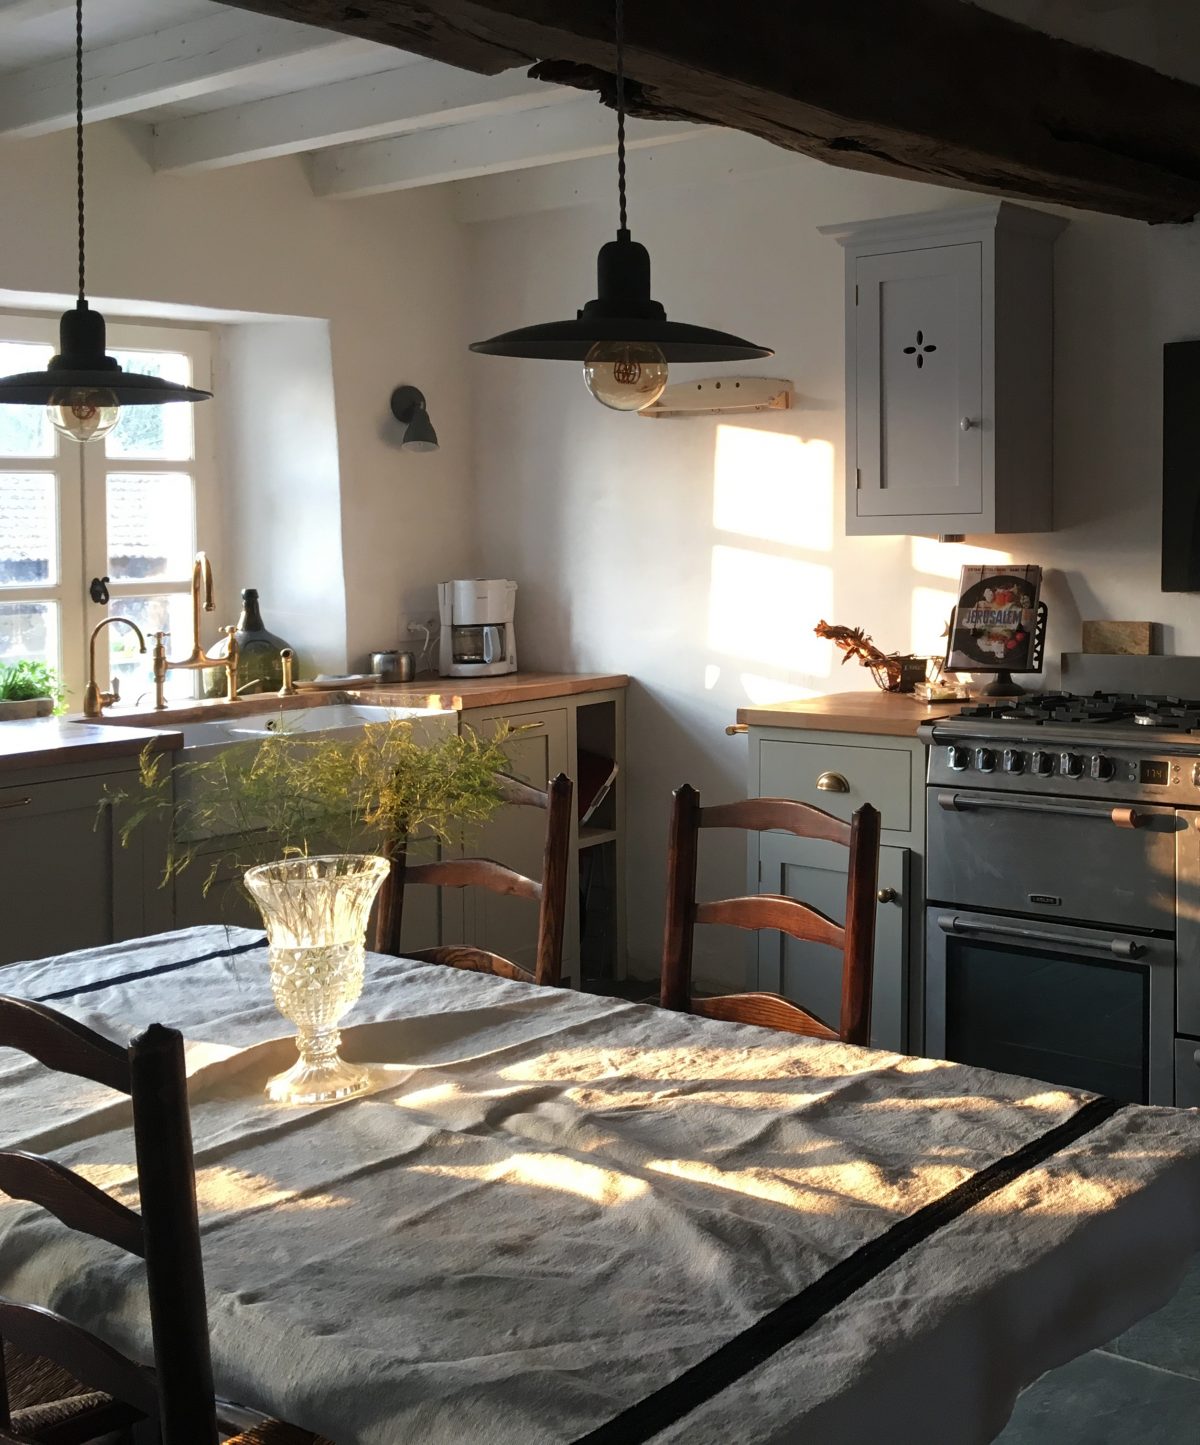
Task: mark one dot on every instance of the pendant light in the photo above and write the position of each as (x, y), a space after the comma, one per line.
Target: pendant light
(82, 389)
(623, 337)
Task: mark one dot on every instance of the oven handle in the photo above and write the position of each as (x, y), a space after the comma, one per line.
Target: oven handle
(1123, 817)
(1118, 947)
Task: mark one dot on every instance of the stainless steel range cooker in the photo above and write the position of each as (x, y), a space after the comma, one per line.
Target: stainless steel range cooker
(1063, 888)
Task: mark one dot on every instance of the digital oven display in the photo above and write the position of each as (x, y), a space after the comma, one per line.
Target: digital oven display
(1154, 772)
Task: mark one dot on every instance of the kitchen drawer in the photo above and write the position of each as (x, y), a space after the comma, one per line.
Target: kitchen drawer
(879, 776)
(1187, 1073)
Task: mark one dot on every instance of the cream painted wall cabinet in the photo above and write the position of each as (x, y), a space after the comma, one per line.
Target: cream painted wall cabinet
(949, 371)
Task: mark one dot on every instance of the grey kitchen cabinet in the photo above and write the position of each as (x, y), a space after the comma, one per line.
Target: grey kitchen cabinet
(811, 974)
(949, 371)
(65, 880)
(539, 749)
(839, 772)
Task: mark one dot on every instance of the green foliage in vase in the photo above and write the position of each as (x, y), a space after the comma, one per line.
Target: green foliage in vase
(25, 679)
(304, 793)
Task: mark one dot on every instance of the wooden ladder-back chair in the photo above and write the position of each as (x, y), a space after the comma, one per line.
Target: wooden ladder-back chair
(60, 1384)
(549, 892)
(855, 941)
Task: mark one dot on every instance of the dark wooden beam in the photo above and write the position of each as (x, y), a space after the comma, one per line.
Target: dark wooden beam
(933, 90)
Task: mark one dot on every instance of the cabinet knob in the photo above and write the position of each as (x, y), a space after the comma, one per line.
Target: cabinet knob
(968, 422)
(887, 895)
(832, 783)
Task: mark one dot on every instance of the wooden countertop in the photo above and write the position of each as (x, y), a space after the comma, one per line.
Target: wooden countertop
(888, 714)
(41, 742)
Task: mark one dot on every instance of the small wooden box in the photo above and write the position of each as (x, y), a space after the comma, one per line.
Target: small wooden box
(1128, 639)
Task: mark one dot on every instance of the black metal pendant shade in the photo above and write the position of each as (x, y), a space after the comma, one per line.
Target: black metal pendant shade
(81, 364)
(625, 311)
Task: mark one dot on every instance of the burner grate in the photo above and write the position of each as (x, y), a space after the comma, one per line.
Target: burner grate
(1071, 709)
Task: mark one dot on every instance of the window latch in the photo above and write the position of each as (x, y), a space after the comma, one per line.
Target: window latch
(98, 590)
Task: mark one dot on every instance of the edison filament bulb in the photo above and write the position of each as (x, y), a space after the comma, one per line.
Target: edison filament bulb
(85, 413)
(625, 375)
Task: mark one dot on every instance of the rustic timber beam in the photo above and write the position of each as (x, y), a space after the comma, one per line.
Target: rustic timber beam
(933, 90)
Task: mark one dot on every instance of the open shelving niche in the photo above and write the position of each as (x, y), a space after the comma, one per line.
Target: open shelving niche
(601, 844)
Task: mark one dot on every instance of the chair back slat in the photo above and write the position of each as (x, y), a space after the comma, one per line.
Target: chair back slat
(855, 939)
(174, 1269)
(73, 1200)
(549, 893)
(773, 910)
(760, 815)
(474, 873)
(38, 1331)
(473, 960)
(766, 1010)
(62, 1043)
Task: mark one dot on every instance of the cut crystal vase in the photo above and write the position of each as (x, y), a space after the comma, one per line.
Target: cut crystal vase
(316, 912)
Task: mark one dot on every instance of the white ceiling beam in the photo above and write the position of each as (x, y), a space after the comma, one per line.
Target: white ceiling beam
(184, 62)
(16, 12)
(394, 102)
(509, 143)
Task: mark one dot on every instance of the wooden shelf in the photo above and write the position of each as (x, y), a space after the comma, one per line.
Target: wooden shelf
(590, 837)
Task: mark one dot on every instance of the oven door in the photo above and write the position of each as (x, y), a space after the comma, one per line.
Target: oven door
(1086, 1008)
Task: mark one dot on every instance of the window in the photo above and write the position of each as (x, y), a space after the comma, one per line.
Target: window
(132, 508)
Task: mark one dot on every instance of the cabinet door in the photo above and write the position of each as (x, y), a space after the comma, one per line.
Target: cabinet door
(810, 974)
(919, 383)
(56, 869)
(516, 837)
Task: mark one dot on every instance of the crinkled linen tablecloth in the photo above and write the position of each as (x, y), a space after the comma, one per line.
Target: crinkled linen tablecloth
(566, 1218)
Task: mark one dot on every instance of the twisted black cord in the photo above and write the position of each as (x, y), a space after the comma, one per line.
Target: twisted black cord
(620, 33)
(79, 132)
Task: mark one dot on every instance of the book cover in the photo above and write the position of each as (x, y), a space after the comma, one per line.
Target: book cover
(993, 627)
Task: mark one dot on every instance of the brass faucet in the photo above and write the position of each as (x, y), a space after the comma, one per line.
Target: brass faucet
(95, 701)
(202, 582)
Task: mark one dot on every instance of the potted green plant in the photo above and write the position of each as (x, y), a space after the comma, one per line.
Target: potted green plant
(28, 689)
(335, 813)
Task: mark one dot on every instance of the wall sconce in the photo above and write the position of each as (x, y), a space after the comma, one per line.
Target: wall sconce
(408, 407)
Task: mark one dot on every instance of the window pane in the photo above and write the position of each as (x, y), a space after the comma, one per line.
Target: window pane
(29, 629)
(171, 613)
(24, 430)
(163, 433)
(151, 526)
(28, 529)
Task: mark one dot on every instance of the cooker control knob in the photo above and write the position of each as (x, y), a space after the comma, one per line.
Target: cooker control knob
(959, 758)
(1070, 765)
(1041, 764)
(1014, 762)
(985, 760)
(1102, 768)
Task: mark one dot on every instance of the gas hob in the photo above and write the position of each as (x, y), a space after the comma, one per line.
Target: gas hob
(1120, 745)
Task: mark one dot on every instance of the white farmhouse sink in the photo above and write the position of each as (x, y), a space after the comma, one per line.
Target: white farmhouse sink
(338, 720)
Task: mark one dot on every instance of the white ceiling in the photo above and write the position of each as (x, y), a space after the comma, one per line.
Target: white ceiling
(216, 86)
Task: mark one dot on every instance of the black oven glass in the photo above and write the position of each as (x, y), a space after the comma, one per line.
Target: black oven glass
(1077, 1022)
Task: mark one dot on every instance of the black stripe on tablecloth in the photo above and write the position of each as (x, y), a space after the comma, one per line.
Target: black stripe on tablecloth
(102, 983)
(783, 1325)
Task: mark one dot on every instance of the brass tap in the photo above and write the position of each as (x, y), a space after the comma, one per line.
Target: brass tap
(95, 701)
(202, 583)
(288, 658)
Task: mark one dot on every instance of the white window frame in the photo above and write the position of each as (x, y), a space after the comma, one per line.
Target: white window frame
(81, 474)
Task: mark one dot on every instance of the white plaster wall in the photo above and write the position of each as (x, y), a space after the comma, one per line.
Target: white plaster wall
(698, 555)
(384, 273)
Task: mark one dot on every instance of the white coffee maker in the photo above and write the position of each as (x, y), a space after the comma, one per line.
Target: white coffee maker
(478, 638)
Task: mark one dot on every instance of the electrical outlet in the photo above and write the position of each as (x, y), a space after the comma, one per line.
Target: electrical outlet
(419, 629)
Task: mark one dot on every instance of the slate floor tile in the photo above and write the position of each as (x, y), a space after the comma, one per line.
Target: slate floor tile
(1171, 1336)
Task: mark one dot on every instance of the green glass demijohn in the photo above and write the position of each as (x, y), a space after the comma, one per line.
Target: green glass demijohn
(258, 653)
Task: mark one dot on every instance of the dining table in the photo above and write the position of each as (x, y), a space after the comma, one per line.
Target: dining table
(561, 1217)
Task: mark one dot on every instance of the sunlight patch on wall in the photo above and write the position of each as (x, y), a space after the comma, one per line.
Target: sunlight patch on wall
(931, 608)
(763, 608)
(947, 559)
(712, 675)
(764, 691)
(774, 486)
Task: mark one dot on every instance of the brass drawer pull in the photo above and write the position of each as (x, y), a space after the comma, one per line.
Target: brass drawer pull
(734, 728)
(15, 802)
(832, 783)
(887, 895)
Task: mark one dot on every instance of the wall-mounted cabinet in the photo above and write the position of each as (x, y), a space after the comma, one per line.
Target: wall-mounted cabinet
(949, 371)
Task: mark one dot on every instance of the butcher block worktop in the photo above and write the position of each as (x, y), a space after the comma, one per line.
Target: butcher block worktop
(888, 714)
(40, 742)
